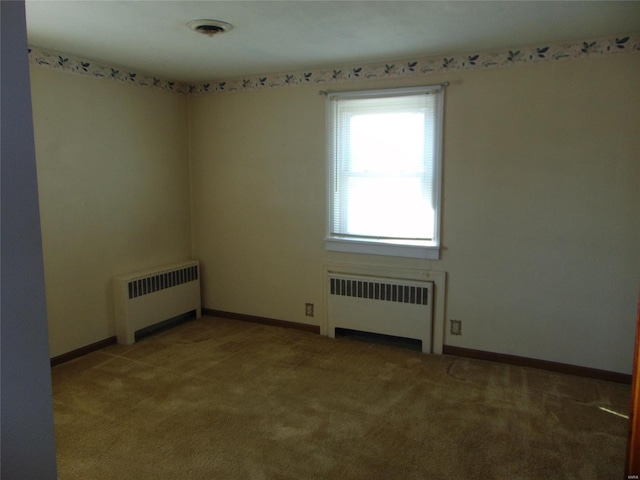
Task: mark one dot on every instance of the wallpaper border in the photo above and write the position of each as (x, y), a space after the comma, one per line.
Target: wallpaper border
(68, 63)
(414, 67)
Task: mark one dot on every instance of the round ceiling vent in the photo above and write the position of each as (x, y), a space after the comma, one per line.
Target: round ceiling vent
(209, 27)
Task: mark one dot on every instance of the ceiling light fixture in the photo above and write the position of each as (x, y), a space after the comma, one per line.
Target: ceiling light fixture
(209, 27)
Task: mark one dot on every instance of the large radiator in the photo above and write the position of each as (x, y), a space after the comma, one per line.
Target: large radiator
(397, 307)
(146, 298)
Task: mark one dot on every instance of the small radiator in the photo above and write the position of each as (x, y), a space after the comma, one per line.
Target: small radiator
(146, 298)
(397, 307)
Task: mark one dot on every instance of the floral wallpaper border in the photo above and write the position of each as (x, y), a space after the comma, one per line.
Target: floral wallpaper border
(68, 63)
(359, 72)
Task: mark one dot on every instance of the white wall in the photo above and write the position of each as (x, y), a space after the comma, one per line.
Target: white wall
(27, 438)
(258, 179)
(541, 215)
(113, 176)
(542, 211)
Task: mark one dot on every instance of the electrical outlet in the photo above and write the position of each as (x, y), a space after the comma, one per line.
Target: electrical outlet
(308, 309)
(456, 327)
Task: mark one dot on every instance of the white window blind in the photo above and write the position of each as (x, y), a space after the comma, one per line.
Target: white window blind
(385, 165)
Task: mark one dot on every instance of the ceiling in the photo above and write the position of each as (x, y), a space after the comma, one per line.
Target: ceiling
(287, 36)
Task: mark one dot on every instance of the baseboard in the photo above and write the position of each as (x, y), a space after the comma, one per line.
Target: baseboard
(446, 349)
(79, 352)
(541, 364)
(266, 321)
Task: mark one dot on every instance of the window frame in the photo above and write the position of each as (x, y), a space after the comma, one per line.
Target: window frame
(405, 248)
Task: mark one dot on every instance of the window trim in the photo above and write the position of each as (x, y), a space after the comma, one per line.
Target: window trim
(418, 249)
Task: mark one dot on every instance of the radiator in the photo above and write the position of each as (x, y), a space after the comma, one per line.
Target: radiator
(144, 299)
(402, 308)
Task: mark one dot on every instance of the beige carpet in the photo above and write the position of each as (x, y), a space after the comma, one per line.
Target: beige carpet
(224, 399)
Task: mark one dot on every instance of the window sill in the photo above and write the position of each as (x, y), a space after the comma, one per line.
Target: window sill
(429, 251)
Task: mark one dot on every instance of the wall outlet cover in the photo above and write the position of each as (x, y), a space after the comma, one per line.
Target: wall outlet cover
(308, 309)
(456, 327)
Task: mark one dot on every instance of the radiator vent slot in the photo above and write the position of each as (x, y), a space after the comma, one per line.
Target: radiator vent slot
(376, 290)
(160, 281)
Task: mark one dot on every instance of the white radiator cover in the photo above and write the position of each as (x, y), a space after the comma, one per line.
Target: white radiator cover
(146, 298)
(389, 306)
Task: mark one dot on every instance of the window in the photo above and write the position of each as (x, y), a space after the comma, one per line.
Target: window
(384, 163)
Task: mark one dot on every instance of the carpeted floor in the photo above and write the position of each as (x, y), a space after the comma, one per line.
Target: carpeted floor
(224, 399)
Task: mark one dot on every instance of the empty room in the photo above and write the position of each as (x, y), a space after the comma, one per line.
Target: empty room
(329, 239)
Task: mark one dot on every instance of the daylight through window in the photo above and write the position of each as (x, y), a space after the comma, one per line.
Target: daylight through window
(385, 157)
